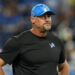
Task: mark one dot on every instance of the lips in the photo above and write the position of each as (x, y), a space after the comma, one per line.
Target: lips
(46, 23)
(47, 26)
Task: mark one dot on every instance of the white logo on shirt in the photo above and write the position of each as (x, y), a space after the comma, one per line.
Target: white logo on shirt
(52, 45)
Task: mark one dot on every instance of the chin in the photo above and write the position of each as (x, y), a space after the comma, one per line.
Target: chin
(48, 28)
(45, 30)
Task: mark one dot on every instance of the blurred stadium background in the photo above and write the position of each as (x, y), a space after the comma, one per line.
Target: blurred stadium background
(14, 18)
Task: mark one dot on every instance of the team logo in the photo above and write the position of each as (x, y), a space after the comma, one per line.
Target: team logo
(52, 45)
(45, 9)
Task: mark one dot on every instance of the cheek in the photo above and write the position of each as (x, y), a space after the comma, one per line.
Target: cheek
(41, 22)
(38, 23)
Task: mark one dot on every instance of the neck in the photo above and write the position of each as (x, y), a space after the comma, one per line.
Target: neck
(38, 33)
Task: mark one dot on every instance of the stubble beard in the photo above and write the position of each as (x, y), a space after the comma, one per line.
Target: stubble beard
(45, 28)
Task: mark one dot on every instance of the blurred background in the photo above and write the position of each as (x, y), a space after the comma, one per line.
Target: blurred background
(14, 19)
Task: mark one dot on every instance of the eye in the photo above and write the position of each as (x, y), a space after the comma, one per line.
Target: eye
(48, 15)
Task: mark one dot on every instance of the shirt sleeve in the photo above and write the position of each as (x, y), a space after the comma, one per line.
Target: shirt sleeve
(62, 54)
(10, 51)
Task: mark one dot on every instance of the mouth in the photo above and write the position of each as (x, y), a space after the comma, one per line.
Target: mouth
(47, 26)
(46, 23)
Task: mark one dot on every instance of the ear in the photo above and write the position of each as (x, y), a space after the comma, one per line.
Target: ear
(32, 19)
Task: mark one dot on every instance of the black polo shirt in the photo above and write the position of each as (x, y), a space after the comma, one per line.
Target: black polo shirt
(33, 55)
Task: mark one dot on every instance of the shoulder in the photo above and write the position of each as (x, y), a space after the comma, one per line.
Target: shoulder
(23, 37)
(11, 42)
(53, 36)
(15, 40)
(23, 34)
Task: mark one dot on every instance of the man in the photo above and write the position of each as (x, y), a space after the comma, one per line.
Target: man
(36, 51)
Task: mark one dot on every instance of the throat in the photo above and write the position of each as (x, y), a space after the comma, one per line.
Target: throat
(39, 33)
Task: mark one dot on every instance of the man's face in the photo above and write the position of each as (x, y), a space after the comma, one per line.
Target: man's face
(44, 22)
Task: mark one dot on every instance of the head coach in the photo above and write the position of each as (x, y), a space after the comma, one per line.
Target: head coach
(36, 51)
